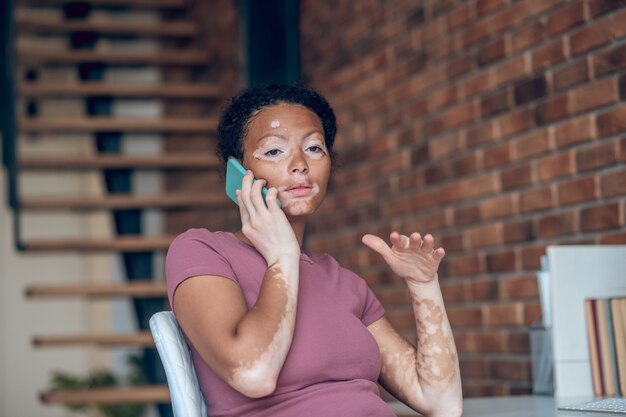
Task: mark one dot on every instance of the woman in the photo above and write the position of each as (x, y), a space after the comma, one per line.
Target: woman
(278, 332)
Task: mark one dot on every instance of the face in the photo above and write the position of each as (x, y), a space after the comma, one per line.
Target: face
(285, 146)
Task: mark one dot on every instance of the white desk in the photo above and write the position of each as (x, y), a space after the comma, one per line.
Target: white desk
(519, 406)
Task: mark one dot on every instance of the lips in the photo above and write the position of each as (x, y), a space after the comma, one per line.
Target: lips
(300, 190)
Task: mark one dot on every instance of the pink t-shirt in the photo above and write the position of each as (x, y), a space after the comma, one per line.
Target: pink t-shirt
(334, 362)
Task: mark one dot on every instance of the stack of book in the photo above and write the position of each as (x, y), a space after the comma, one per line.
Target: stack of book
(606, 335)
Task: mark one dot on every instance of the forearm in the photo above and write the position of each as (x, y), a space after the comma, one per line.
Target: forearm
(263, 337)
(436, 360)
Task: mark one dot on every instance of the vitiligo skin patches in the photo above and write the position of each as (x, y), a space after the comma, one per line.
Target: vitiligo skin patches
(436, 353)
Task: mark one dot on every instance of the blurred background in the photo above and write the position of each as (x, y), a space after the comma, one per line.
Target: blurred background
(495, 125)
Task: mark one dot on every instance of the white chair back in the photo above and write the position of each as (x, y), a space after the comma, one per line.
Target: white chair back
(187, 399)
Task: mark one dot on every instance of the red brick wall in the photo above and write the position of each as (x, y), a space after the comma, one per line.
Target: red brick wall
(497, 126)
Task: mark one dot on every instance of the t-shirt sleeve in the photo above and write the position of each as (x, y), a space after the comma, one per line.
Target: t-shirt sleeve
(195, 252)
(372, 309)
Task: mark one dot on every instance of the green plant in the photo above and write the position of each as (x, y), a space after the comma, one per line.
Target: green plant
(103, 378)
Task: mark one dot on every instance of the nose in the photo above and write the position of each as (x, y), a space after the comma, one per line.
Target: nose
(298, 164)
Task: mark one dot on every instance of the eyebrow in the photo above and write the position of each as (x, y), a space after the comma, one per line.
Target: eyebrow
(277, 135)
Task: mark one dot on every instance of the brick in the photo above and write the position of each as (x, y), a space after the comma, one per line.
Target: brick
(453, 117)
(518, 287)
(484, 289)
(465, 165)
(465, 316)
(622, 147)
(512, 369)
(552, 110)
(512, 69)
(575, 131)
(482, 133)
(503, 314)
(598, 156)
(613, 184)
(452, 291)
(533, 145)
(466, 215)
(415, 17)
(566, 18)
(557, 225)
(590, 37)
(613, 239)
(491, 342)
(531, 256)
(468, 265)
(571, 75)
(474, 368)
(622, 87)
(487, 6)
(606, 216)
(432, 30)
(537, 200)
(483, 236)
(519, 231)
(483, 184)
(479, 82)
(594, 95)
(515, 122)
(495, 103)
(450, 193)
(516, 177)
(612, 121)
(492, 52)
(460, 16)
(599, 7)
(452, 242)
(530, 89)
(609, 61)
(528, 36)
(549, 55)
(496, 207)
(393, 295)
(555, 166)
(532, 313)
(577, 191)
(401, 318)
(498, 155)
(618, 26)
(444, 146)
(519, 342)
(461, 66)
(442, 97)
(502, 261)
(509, 17)
(540, 6)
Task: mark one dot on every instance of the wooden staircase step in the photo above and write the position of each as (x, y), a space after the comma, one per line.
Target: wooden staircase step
(118, 124)
(40, 56)
(130, 395)
(142, 339)
(169, 161)
(133, 289)
(163, 4)
(112, 202)
(35, 24)
(121, 244)
(187, 91)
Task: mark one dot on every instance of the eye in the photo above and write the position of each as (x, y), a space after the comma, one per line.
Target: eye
(272, 152)
(316, 149)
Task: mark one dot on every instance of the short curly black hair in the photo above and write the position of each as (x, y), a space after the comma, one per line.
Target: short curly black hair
(234, 121)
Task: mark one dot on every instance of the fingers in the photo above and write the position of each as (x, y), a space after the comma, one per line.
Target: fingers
(271, 199)
(256, 196)
(376, 244)
(246, 188)
(416, 242)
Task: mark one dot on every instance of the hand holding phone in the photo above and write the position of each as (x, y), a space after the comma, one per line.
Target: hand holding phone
(234, 177)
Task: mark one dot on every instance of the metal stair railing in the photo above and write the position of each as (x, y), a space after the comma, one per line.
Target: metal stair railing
(7, 114)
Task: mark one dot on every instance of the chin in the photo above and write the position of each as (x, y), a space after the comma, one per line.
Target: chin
(299, 208)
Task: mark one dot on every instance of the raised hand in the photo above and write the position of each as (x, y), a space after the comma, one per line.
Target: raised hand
(265, 226)
(413, 258)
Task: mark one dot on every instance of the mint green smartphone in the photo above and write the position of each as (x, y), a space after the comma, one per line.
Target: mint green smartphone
(234, 176)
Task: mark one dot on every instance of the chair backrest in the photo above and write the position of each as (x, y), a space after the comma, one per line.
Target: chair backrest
(187, 399)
